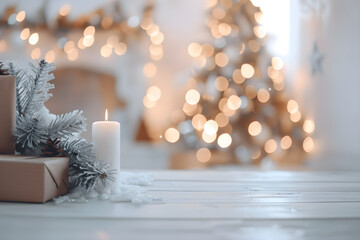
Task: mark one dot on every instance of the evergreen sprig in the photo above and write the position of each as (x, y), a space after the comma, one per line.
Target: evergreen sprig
(34, 127)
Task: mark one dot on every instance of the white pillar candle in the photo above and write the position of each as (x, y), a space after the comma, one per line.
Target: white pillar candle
(106, 141)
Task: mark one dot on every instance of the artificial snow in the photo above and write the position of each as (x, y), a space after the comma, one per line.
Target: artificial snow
(130, 188)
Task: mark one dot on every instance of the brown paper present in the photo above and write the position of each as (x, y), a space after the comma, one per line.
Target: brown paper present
(32, 179)
(7, 115)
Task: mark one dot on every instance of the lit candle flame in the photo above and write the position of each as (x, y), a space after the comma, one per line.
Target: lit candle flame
(106, 115)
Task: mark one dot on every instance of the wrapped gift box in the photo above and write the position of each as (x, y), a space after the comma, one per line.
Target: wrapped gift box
(32, 179)
(7, 118)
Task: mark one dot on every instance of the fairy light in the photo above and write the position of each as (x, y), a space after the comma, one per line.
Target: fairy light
(64, 10)
(106, 50)
(211, 127)
(89, 31)
(73, 54)
(194, 49)
(36, 53)
(203, 155)
(277, 63)
(224, 29)
(308, 144)
(250, 91)
(152, 30)
(198, 121)
(259, 17)
(50, 56)
(207, 50)
(270, 146)
(211, 3)
(20, 16)
(295, 117)
(107, 22)
(150, 70)
(190, 110)
(88, 40)
(120, 48)
(256, 154)
(156, 50)
(221, 59)
(247, 70)
(148, 103)
(285, 142)
(208, 138)
(238, 77)
(172, 135)
(146, 23)
(3, 45)
(221, 119)
(224, 140)
(158, 38)
(254, 46)
(259, 31)
(234, 102)
(309, 126)
(34, 38)
(263, 95)
(81, 44)
(254, 128)
(218, 13)
(221, 83)
(112, 40)
(24, 34)
(153, 93)
(69, 46)
(192, 96)
(292, 106)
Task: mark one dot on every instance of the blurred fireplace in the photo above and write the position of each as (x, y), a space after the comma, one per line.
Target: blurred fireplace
(84, 89)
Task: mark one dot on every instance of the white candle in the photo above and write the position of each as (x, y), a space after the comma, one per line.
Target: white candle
(106, 141)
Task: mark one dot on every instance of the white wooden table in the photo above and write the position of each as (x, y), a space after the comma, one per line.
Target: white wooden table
(205, 205)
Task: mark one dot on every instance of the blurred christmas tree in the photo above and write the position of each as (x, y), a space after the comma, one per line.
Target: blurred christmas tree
(236, 103)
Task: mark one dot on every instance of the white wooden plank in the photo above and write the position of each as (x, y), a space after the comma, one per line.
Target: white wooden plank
(255, 176)
(235, 197)
(250, 186)
(101, 209)
(58, 229)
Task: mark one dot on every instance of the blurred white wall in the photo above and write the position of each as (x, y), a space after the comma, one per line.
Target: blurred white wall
(332, 96)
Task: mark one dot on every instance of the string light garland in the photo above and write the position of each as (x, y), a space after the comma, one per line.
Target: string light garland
(108, 19)
(238, 104)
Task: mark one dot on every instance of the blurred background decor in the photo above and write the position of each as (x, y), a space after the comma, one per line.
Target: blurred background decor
(230, 84)
(237, 101)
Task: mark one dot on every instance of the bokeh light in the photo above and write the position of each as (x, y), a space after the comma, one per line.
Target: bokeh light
(192, 96)
(224, 140)
(254, 128)
(247, 70)
(172, 135)
(203, 155)
(308, 144)
(270, 146)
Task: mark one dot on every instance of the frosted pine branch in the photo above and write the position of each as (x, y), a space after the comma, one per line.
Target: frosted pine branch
(29, 132)
(32, 128)
(84, 170)
(88, 174)
(66, 125)
(38, 86)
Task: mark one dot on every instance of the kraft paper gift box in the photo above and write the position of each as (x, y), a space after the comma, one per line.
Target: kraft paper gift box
(32, 179)
(7, 114)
